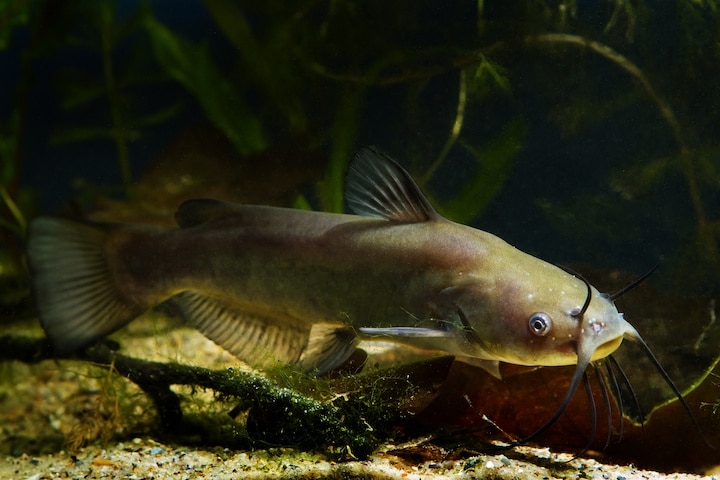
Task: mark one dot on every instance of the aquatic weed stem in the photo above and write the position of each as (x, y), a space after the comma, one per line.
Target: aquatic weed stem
(454, 132)
(118, 130)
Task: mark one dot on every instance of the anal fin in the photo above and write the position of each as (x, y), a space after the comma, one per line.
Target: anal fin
(262, 340)
(268, 338)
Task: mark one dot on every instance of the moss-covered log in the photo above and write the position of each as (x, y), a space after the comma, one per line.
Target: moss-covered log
(352, 423)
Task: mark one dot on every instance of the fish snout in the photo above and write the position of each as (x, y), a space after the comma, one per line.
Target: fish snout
(602, 335)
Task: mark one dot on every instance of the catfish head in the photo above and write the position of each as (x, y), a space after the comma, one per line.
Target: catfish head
(570, 323)
(574, 325)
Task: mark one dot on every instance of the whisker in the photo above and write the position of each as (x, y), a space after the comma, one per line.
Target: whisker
(588, 297)
(606, 399)
(579, 373)
(609, 374)
(593, 413)
(673, 387)
(635, 282)
(626, 382)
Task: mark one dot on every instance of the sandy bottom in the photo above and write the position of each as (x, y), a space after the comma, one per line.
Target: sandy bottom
(147, 459)
(64, 419)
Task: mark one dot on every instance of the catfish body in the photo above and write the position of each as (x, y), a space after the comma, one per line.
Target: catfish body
(282, 285)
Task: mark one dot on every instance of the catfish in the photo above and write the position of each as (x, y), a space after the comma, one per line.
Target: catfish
(286, 286)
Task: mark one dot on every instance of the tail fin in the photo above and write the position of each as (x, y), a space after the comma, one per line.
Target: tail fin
(76, 297)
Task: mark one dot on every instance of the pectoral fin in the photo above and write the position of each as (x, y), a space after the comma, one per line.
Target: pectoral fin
(269, 338)
(418, 337)
(405, 332)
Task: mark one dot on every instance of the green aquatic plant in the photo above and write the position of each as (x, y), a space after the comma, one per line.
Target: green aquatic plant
(192, 67)
(16, 223)
(15, 200)
(267, 92)
(493, 164)
(494, 160)
(330, 189)
(17, 204)
(14, 14)
(116, 83)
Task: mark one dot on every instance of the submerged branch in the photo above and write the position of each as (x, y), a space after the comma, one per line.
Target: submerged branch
(351, 424)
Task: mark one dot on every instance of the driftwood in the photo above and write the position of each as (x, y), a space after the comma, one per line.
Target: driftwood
(352, 423)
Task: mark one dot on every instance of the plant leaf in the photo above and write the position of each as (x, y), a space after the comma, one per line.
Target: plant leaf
(639, 180)
(494, 161)
(191, 66)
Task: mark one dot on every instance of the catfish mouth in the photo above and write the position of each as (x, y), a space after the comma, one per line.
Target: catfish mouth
(607, 348)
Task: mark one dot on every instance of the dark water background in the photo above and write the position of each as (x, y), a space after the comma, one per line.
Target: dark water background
(573, 193)
(596, 124)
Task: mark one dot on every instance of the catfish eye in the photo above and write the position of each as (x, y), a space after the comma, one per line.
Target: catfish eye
(540, 324)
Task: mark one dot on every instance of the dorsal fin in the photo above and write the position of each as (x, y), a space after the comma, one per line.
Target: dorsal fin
(377, 186)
